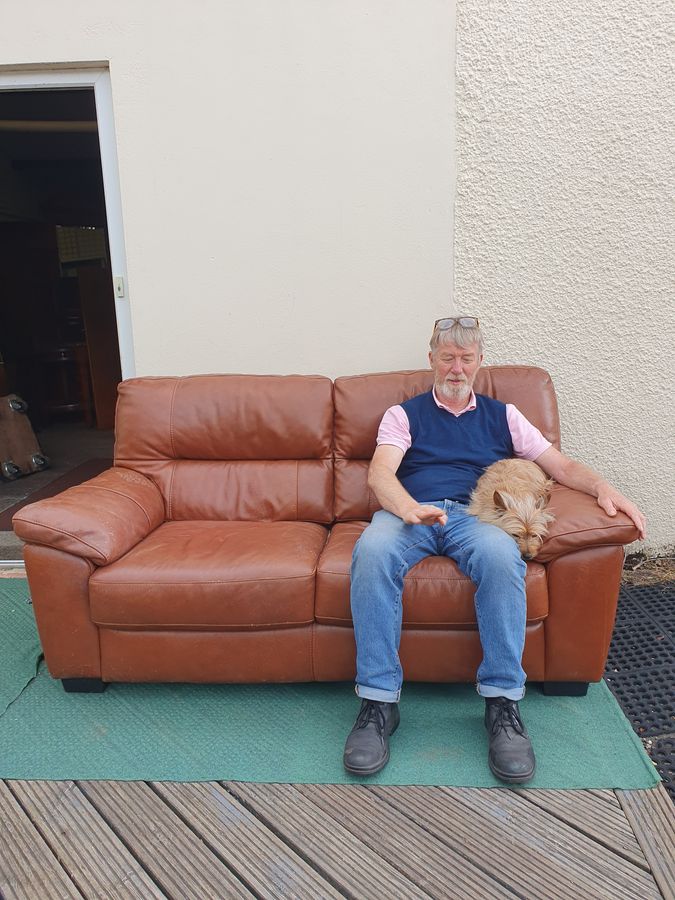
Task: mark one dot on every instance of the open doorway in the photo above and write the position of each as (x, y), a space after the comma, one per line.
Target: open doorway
(59, 347)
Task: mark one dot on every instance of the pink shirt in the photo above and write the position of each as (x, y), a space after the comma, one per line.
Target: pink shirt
(528, 441)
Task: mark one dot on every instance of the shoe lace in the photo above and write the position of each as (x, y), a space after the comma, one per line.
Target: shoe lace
(507, 717)
(371, 711)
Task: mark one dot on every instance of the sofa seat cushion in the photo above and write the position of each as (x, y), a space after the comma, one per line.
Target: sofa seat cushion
(435, 593)
(227, 575)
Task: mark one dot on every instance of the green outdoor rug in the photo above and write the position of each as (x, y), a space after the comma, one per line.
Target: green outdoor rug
(289, 733)
(20, 649)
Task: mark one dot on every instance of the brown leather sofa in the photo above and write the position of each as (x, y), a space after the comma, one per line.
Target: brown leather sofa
(217, 549)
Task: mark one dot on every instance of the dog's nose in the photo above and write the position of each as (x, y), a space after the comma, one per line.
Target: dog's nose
(527, 555)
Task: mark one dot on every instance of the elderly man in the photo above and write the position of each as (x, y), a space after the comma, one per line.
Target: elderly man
(430, 452)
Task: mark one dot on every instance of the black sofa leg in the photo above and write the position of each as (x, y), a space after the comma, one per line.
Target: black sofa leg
(565, 688)
(83, 685)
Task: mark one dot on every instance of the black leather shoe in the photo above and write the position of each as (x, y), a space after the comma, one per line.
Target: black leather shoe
(511, 757)
(367, 747)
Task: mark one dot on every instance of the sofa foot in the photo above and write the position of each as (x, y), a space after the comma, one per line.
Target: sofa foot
(565, 688)
(83, 685)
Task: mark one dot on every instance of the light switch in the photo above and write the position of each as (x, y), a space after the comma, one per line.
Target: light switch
(118, 283)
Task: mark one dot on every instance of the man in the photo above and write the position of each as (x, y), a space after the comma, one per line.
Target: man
(430, 452)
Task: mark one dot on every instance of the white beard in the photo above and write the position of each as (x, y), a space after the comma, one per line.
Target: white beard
(454, 392)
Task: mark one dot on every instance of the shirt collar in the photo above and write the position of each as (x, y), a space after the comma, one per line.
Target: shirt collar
(471, 404)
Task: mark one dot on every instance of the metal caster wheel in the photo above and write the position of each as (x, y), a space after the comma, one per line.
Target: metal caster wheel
(39, 462)
(9, 470)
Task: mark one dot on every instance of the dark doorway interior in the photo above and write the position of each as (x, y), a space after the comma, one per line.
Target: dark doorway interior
(58, 337)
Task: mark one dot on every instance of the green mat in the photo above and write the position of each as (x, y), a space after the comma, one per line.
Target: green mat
(20, 649)
(291, 733)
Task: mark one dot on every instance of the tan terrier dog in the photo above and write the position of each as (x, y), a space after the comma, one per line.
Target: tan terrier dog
(512, 494)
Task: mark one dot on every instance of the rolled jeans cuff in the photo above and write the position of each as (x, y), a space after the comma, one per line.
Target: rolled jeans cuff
(489, 690)
(369, 693)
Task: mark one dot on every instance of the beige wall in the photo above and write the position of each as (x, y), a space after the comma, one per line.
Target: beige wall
(287, 177)
(565, 219)
(286, 173)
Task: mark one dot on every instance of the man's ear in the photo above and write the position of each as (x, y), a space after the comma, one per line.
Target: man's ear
(431, 358)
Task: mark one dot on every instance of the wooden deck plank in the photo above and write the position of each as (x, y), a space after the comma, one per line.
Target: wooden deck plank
(129, 839)
(175, 857)
(569, 847)
(607, 795)
(334, 851)
(28, 868)
(605, 823)
(544, 858)
(435, 867)
(260, 858)
(652, 818)
(92, 854)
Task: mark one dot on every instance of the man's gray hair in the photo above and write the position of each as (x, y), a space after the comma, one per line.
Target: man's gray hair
(457, 334)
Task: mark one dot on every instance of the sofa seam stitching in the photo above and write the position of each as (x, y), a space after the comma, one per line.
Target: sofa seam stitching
(311, 645)
(172, 445)
(252, 626)
(61, 531)
(601, 528)
(173, 400)
(113, 584)
(100, 487)
(170, 491)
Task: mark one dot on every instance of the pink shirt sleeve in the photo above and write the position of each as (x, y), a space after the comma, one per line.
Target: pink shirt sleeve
(528, 441)
(395, 429)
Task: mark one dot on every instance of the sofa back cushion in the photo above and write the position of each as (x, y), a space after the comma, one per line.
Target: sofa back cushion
(232, 447)
(361, 400)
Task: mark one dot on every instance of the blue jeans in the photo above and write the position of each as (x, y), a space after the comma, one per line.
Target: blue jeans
(491, 559)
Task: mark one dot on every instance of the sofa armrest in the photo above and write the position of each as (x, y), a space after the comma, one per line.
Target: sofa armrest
(99, 520)
(580, 523)
(59, 588)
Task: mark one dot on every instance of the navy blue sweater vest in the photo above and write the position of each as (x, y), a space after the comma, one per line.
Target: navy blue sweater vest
(449, 453)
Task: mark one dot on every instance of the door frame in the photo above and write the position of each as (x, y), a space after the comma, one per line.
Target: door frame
(37, 78)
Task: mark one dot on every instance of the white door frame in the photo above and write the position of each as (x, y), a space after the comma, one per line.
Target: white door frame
(24, 79)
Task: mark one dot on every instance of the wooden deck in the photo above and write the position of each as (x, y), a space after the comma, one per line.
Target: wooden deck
(226, 839)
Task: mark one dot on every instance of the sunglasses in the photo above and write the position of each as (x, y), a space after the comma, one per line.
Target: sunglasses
(464, 321)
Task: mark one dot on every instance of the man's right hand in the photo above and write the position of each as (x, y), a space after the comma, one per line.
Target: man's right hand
(421, 514)
(391, 494)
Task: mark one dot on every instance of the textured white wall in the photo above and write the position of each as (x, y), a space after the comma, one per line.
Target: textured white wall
(286, 173)
(565, 219)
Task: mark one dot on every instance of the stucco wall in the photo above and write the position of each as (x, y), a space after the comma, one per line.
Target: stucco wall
(565, 219)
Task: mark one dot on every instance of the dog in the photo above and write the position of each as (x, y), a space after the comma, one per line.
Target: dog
(512, 494)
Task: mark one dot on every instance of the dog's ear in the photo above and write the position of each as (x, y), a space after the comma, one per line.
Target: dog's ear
(542, 501)
(498, 498)
(548, 487)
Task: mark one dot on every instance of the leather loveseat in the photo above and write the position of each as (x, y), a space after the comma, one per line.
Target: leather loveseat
(217, 548)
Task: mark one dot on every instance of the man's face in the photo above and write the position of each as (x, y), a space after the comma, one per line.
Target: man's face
(455, 371)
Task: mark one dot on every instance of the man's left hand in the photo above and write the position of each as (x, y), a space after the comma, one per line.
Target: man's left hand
(610, 500)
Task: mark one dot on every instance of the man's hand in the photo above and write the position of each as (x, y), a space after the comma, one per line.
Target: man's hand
(421, 514)
(392, 495)
(610, 500)
(579, 477)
